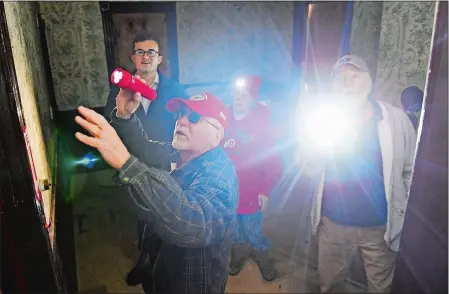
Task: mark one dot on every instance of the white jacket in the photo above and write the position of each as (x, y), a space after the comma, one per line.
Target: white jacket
(397, 141)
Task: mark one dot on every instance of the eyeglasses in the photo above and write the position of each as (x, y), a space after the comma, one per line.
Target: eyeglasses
(192, 116)
(150, 52)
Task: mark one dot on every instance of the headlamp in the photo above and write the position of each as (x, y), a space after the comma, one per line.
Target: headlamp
(240, 83)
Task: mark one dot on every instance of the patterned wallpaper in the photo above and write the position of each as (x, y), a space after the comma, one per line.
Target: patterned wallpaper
(78, 59)
(365, 34)
(215, 40)
(404, 49)
(26, 47)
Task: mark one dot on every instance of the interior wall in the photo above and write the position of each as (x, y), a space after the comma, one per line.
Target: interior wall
(404, 49)
(77, 53)
(218, 39)
(31, 79)
(365, 32)
(215, 40)
(394, 39)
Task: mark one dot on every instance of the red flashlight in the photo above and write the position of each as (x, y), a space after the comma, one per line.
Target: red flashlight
(125, 80)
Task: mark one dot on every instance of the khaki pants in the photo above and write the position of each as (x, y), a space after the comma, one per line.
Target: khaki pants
(337, 246)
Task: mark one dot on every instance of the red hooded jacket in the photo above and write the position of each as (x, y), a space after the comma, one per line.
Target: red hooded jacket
(250, 144)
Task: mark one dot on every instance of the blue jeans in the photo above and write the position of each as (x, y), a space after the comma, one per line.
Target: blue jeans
(249, 231)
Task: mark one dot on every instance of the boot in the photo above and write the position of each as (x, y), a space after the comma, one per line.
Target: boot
(134, 277)
(266, 265)
(137, 274)
(239, 254)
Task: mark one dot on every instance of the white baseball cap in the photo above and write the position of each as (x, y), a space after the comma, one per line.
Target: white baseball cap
(353, 60)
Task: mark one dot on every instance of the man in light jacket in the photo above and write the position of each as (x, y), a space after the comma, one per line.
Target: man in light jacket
(361, 196)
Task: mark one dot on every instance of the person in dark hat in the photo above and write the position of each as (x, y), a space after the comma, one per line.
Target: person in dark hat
(411, 100)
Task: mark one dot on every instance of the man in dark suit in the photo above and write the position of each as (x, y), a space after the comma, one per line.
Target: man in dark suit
(158, 124)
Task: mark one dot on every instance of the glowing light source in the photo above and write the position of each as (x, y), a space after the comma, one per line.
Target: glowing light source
(88, 161)
(240, 83)
(327, 128)
(117, 75)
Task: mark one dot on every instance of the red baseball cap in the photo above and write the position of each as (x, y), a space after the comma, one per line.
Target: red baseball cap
(204, 104)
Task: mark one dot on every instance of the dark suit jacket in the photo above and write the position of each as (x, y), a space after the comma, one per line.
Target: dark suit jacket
(158, 122)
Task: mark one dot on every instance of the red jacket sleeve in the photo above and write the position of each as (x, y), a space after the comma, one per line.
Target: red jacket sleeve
(270, 160)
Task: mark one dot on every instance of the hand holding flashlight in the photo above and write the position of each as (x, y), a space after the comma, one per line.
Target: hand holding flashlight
(127, 103)
(132, 89)
(125, 80)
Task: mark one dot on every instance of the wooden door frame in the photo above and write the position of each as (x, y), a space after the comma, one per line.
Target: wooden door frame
(108, 8)
(64, 237)
(422, 261)
(28, 262)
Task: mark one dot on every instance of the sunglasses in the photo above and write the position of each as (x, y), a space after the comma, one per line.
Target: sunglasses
(192, 116)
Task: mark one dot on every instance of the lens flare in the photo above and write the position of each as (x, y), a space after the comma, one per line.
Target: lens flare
(327, 128)
(88, 161)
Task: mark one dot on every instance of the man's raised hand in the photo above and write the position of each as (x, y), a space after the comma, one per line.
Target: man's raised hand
(104, 138)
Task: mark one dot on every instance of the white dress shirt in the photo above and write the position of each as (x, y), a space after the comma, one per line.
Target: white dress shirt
(145, 102)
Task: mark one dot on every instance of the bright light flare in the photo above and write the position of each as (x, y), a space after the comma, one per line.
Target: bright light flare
(87, 161)
(117, 75)
(240, 83)
(327, 128)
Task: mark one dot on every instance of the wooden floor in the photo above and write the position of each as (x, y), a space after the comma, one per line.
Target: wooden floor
(106, 245)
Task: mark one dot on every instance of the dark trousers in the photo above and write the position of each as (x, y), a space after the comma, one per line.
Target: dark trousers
(140, 231)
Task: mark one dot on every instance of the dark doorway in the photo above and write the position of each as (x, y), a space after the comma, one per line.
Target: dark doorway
(326, 40)
(121, 21)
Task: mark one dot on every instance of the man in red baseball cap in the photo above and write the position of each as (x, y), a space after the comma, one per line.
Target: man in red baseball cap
(251, 146)
(196, 116)
(192, 208)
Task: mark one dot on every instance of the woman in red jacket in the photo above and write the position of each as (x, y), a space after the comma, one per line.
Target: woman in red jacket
(250, 145)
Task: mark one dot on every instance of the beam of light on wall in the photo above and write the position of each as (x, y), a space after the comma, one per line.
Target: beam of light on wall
(88, 161)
